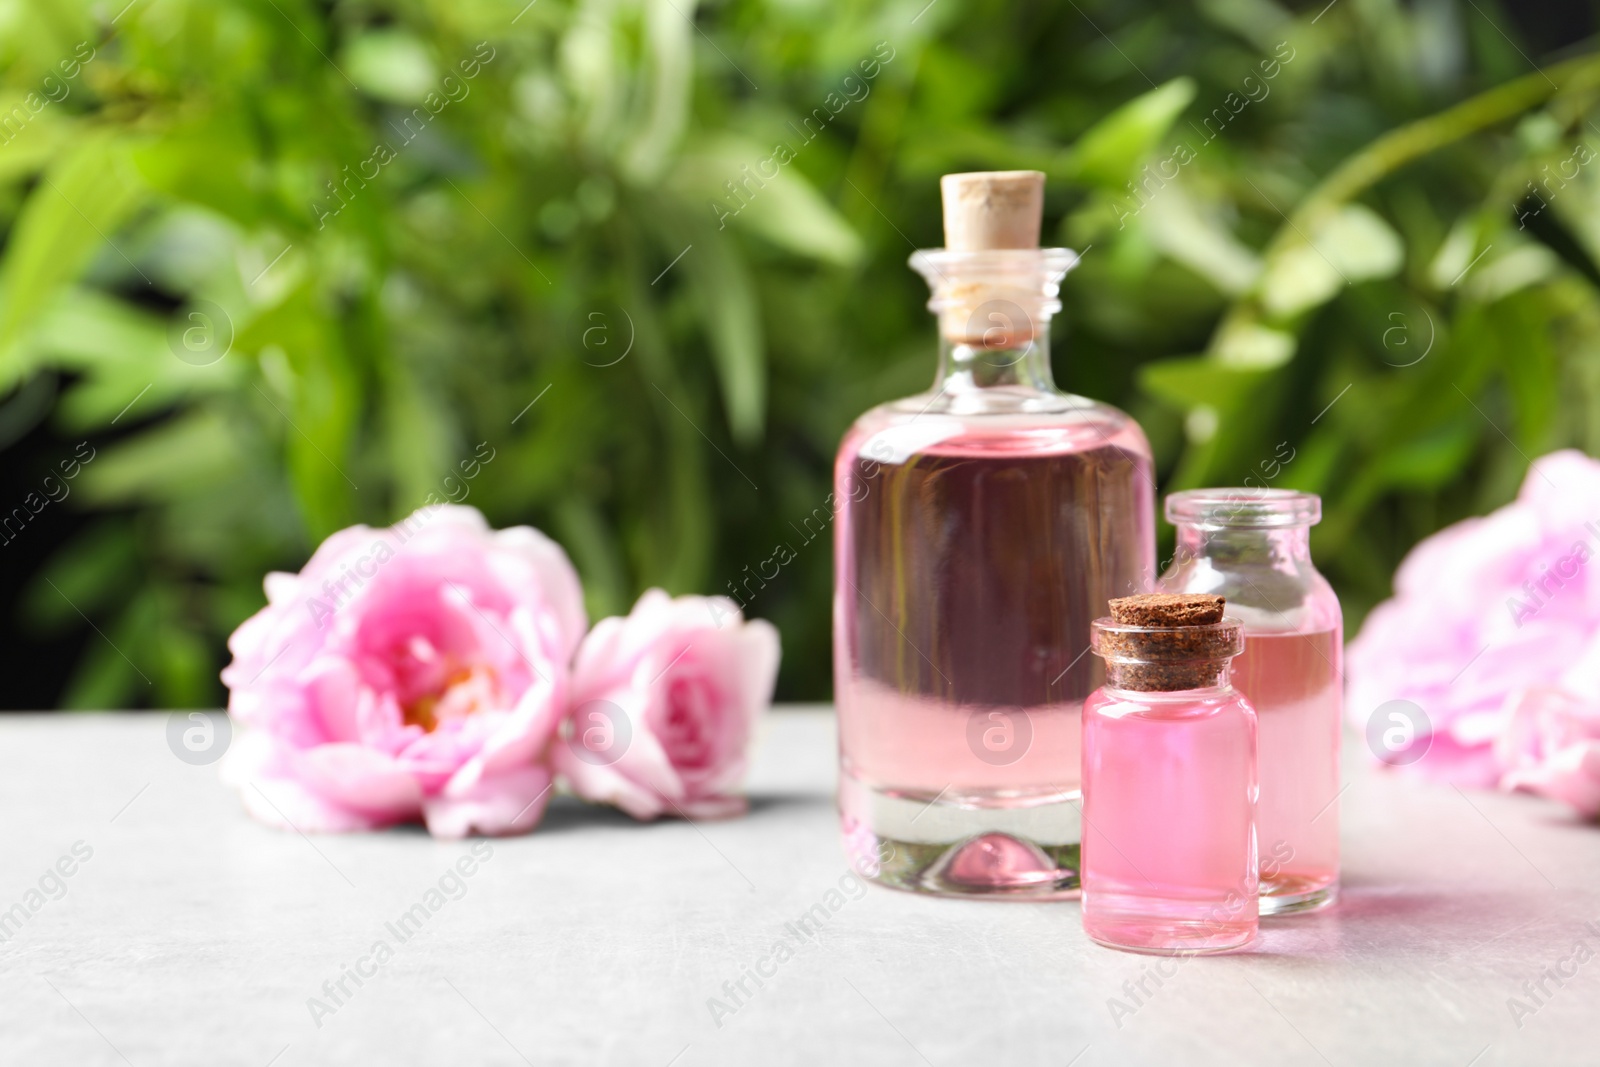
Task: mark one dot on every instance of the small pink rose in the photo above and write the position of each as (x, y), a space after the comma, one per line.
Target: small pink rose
(415, 672)
(664, 707)
(1551, 746)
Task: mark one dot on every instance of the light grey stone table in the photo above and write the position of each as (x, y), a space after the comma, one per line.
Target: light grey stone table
(186, 934)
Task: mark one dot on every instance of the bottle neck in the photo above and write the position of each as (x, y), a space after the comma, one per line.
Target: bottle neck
(996, 361)
(1274, 546)
(994, 308)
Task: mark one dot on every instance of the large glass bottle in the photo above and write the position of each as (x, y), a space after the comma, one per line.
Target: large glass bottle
(983, 525)
(1253, 546)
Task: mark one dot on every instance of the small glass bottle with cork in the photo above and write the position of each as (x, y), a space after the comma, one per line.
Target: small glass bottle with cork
(1169, 782)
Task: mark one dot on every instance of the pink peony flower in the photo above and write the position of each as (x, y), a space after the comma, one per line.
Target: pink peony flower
(418, 671)
(1484, 613)
(665, 704)
(1551, 746)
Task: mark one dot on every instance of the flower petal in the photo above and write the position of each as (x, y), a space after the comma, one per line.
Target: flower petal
(511, 802)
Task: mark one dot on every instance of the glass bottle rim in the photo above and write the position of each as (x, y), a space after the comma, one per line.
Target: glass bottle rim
(1244, 507)
(1014, 290)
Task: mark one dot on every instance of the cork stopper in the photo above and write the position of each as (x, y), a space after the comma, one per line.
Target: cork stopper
(990, 274)
(1166, 642)
(1168, 609)
(990, 209)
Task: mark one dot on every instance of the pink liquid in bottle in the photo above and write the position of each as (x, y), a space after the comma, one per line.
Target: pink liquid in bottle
(1169, 793)
(1292, 680)
(968, 576)
(965, 588)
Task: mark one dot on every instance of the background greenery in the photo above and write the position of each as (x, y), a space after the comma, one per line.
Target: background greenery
(1369, 203)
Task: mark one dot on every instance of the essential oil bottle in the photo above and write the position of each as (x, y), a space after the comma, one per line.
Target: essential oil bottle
(1169, 782)
(983, 525)
(1253, 546)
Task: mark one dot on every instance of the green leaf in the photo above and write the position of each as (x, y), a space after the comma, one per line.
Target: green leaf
(592, 542)
(720, 283)
(1353, 245)
(783, 208)
(1111, 151)
(27, 149)
(669, 31)
(391, 65)
(1247, 345)
(69, 216)
(1532, 370)
(416, 431)
(163, 463)
(1261, 22)
(310, 397)
(1460, 250)
(1500, 275)
(101, 681)
(670, 535)
(91, 571)
(124, 361)
(110, 674)
(1188, 383)
(1430, 461)
(1176, 224)
(184, 674)
(207, 162)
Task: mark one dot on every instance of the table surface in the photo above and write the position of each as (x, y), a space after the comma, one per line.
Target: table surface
(187, 934)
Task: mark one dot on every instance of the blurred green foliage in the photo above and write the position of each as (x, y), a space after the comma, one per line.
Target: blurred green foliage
(1370, 232)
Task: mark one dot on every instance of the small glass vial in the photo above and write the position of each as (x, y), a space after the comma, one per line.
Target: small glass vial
(1169, 782)
(1253, 546)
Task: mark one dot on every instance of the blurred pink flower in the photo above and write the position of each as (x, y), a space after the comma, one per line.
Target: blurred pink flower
(664, 707)
(1486, 611)
(417, 671)
(1551, 746)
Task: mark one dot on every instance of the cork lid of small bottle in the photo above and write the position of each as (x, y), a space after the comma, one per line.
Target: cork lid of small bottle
(1167, 642)
(1168, 609)
(992, 209)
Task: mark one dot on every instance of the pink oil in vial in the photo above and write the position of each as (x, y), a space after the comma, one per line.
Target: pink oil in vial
(1169, 798)
(1292, 680)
